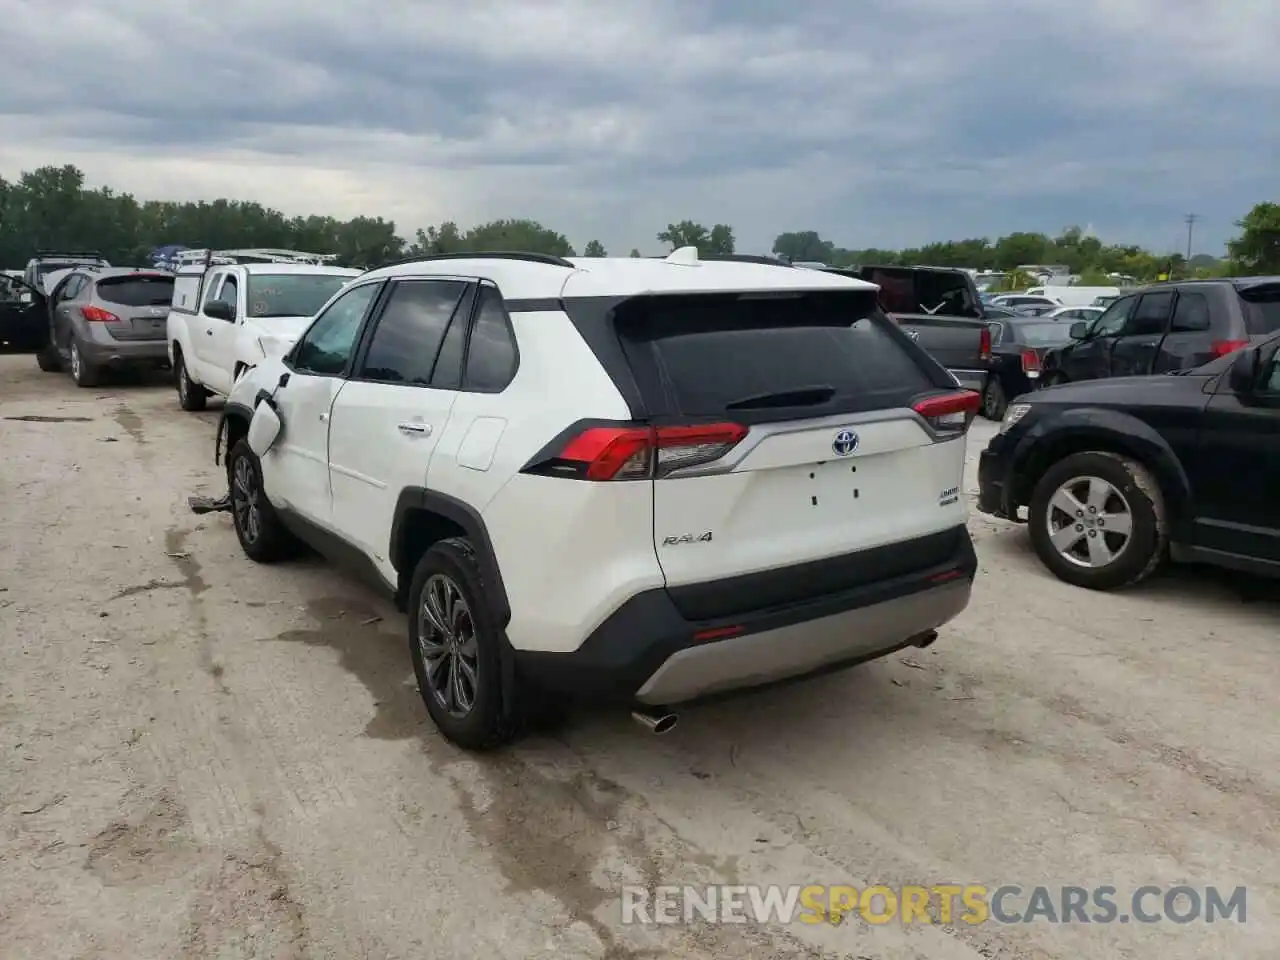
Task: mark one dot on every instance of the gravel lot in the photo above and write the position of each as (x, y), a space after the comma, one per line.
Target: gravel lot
(201, 757)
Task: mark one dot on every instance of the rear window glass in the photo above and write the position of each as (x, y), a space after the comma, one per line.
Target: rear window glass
(139, 291)
(793, 355)
(1261, 309)
(291, 294)
(1043, 334)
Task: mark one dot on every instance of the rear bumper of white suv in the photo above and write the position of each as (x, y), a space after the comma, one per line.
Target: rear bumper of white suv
(648, 652)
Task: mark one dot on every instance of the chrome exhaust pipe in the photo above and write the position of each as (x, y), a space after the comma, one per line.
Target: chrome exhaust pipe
(926, 639)
(657, 721)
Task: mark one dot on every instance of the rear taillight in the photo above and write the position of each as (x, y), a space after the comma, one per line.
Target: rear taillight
(642, 453)
(1221, 348)
(98, 315)
(950, 412)
(1031, 363)
(984, 343)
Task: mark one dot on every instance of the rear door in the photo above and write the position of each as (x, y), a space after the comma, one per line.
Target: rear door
(786, 434)
(139, 302)
(1189, 342)
(1134, 353)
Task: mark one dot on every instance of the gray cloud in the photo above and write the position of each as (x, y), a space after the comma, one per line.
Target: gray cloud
(876, 123)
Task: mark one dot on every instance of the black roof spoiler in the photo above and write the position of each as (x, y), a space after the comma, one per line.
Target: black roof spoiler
(94, 254)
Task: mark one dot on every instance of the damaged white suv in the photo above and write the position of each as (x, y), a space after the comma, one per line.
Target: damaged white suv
(630, 480)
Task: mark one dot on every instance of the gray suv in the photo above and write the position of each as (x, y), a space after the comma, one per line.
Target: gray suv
(107, 318)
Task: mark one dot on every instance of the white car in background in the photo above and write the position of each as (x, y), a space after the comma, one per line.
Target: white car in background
(238, 308)
(1072, 314)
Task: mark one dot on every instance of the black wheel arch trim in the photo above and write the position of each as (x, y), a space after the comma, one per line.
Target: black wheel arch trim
(231, 410)
(415, 499)
(1115, 431)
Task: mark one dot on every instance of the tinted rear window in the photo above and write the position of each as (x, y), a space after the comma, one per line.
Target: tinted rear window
(775, 357)
(1043, 334)
(138, 291)
(1261, 309)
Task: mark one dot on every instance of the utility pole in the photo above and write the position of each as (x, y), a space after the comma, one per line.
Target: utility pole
(1191, 219)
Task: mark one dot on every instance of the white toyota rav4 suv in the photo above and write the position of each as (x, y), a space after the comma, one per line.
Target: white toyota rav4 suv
(642, 481)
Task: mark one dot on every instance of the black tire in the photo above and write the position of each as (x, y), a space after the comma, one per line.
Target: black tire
(994, 400)
(486, 724)
(191, 396)
(1134, 559)
(267, 540)
(47, 359)
(84, 373)
(1052, 380)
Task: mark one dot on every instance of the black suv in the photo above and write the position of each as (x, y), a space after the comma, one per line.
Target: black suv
(1166, 327)
(1116, 474)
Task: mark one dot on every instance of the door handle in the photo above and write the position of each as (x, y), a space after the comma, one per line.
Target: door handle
(415, 428)
(324, 418)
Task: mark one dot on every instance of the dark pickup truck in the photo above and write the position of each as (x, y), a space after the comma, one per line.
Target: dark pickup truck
(939, 308)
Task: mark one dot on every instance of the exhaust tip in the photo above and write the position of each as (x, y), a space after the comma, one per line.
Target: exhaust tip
(656, 722)
(926, 639)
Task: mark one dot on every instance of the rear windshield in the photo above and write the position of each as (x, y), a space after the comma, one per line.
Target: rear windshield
(903, 290)
(142, 290)
(1043, 334)
(291, 294)
(1261, 308)
(775, 356)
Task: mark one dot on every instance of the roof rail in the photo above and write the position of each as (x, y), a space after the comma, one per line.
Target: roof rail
(207, 258)
(772, 261)
(550, 259)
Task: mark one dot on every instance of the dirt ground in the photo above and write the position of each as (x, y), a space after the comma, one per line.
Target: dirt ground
(202, 757)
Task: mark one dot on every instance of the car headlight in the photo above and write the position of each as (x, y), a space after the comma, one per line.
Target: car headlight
(1015, 413)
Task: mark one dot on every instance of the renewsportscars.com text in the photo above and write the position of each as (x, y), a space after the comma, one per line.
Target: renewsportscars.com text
(941, 903)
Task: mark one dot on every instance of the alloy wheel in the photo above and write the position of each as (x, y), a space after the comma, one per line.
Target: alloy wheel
(447, 642)
(245, 500)
(75, 362)
(1090, 523)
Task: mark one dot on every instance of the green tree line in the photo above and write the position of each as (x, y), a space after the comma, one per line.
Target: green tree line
(1255, 251)
(51, 208)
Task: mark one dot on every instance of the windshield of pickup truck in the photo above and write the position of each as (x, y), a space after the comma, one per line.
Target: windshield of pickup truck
(291, 294)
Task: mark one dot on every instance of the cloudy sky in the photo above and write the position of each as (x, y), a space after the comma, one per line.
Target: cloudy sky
(875, 122)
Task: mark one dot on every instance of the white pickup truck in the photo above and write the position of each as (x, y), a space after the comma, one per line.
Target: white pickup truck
(232, 309)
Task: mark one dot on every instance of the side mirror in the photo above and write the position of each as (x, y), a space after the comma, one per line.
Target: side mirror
(1079, 330)
(220, 310)
(1243, 376)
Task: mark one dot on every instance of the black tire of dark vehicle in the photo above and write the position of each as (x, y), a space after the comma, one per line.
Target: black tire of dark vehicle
(84, 373)
(1148, 536)
(264, 539)
(47, 359)
(994, 401)
(486, 725)
(191, 396)
(1052, 379)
